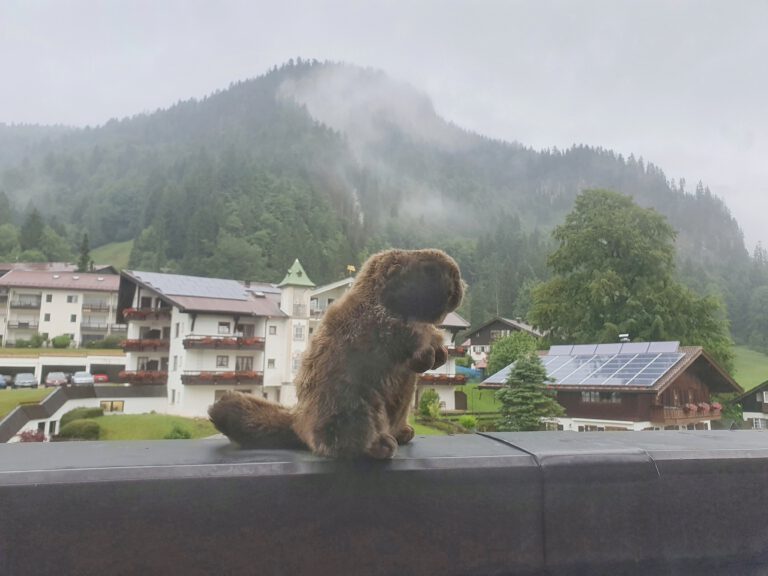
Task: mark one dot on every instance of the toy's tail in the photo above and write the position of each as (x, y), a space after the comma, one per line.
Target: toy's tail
(253, 422)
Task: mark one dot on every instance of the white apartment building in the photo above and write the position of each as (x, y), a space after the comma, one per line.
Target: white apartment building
(53, 303)
(204, 336)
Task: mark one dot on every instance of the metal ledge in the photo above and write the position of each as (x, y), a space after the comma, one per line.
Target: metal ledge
(533, 503)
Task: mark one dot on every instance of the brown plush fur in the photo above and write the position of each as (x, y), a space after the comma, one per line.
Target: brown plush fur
(358, 376)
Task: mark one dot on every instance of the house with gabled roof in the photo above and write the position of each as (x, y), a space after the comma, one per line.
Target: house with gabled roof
(754, 405)
(632, 386)
(481, 339)
(54, 302)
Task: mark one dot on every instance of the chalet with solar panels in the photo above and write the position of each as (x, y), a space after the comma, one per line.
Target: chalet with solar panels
(632, 386)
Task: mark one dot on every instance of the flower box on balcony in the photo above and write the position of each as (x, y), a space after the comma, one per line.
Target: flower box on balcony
(691, 408)
(144, 313)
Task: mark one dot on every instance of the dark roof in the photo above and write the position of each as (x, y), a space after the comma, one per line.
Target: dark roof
(60, 280)
(515, 324)
(759, 388)
(211, 295)
(638, 367)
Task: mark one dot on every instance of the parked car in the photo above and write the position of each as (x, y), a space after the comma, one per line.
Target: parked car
(25, 380)
(56, 379)
(5, 381)
(100, 378)
(82, 379)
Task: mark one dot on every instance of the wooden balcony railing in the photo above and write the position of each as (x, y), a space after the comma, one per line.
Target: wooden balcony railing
(686, 413)
(442, 379)
(224, 343)
(144, 376)
(235, 377)
(457, 351)
(142, 344)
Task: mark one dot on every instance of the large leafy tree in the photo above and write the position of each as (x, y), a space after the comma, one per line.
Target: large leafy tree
(508, 349)
(525, 400)
(614, 272)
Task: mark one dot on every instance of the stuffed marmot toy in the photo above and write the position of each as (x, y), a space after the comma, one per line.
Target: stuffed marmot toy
(358, 376)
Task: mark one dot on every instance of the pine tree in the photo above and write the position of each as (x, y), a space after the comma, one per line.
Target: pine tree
(84, 262)
(525, 400)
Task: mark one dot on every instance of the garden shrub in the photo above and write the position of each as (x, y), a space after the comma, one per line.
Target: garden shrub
(178, 433)
(468, 421)
(81, 413)
(81, 430)
(108, 342)
(32, 436)
(429, 404)
(62, 341)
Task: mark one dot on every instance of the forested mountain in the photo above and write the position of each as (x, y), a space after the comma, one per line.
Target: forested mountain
(329, 162)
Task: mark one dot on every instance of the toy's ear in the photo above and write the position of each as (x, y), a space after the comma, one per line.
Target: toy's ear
(422, 289)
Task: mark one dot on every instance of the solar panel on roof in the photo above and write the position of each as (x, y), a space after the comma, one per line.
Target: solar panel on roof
(180, 285)
(634, 347)
(580, 349)
(613, 348)
(663, 347)
(560, 350)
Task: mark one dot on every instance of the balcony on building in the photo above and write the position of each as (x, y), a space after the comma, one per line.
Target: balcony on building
(224, 343)
(118, 328)
(91, 326)
(140, 377)
(155, 313)
(95, 305)
(24, 324)
(223, 377)
(26, 303)
(686, 414)
(145, 344)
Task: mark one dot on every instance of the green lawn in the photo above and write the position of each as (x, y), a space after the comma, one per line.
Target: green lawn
(9, 399)
(420, 429)
(751, 367)
(114, 253)
(150, 426)
(480, 400)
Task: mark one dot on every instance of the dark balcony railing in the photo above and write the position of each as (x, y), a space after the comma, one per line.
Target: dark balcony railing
(94, 326)
(146, 313)
(234, 377)
(24, 325)
(95, 307)
(142, 344)
(457, 351)
(25, 304)
(144, 376)
(225, 343)
(119, 328)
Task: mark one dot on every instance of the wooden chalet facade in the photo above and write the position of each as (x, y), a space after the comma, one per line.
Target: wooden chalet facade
(754, 404)
(676, 395)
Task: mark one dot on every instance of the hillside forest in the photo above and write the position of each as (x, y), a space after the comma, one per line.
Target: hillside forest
(329, 163)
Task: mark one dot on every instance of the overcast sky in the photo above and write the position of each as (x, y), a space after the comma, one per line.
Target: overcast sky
(683, 84)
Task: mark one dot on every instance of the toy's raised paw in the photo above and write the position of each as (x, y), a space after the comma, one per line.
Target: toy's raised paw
(383, 448)
(441, 356)
(405, 435)
(422, 360)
